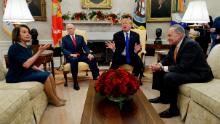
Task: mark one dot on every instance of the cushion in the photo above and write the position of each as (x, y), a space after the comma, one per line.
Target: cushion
(12, 102)
(2, 71)
(214, 61)
(82, 66)
(185, 89)
(2, 82)
(33, 87)
(208, 96)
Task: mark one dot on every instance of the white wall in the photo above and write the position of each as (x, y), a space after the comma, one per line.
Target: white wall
(44, 28)
(118, 6)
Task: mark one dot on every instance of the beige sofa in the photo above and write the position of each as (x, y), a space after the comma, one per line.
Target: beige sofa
(199, 103)
(21, 103)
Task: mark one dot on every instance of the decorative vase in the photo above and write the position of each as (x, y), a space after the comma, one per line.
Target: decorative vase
(120, 100)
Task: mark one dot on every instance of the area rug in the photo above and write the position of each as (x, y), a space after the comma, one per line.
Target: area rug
(59, 78)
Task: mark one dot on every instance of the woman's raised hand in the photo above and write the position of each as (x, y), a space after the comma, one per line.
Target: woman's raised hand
(43, 47)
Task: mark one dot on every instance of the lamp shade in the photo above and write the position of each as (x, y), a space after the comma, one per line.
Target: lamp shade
(196, 12)
(17, 11)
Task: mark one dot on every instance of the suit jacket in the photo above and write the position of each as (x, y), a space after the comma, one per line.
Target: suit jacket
(120, 44)
(68, 47)
(190, 58)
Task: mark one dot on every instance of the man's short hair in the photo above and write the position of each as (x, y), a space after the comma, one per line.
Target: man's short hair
(178, 28)
(70, 24)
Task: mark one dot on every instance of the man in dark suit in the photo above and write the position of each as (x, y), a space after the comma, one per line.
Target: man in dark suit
(126, 45)
(185, 63)
(73, 46)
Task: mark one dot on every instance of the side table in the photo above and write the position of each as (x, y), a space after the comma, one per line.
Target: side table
(44, 58)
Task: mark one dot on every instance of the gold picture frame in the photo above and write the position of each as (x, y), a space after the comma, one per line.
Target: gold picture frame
(96, 4)
(38, 9)
(159, 10)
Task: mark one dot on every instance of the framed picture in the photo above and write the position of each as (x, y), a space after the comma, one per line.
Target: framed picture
(96, 4)
(38, 9)
(159, 10)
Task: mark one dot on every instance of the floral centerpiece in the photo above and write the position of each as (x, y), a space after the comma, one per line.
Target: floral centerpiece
(117, 85)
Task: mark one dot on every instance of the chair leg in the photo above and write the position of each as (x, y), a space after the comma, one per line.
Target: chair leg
(140, 77)
(87, 72)
(65, 77)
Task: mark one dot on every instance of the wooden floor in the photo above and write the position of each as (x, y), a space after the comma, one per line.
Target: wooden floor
(71, 113)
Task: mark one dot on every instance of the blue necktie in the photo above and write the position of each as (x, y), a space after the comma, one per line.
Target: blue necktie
(128, 59)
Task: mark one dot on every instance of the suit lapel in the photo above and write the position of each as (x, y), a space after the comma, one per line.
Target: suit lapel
(77, 40)
(122, 37)
(131, 36)
(71, 41)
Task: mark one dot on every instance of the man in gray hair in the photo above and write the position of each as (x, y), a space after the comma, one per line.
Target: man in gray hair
(184, 63)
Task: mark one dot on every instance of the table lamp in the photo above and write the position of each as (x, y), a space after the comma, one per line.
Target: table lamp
(196, 13)
(17, 12)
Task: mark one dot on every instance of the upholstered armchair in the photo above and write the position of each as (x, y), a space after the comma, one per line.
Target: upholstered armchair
(143, 38)
(82, 66)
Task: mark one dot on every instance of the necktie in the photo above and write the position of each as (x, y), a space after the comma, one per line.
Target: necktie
(128, 60)
(174, 54)
(74, 40)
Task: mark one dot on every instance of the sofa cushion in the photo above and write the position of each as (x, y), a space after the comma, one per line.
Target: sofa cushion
(185, 89)
(2, 82)
(12, 102)
(214, 61)
(2, 71)
(82, 66)
(208, 96)
(34, 88)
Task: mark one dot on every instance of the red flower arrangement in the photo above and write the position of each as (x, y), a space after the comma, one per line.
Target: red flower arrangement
(116, 83)
(79, 16)
(96, 15)
(113, 18)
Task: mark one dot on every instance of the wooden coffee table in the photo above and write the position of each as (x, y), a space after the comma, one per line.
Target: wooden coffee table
(99, 110)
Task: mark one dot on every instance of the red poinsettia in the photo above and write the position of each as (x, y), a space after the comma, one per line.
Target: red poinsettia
(113, 18)
(79, 16)
(116, 83)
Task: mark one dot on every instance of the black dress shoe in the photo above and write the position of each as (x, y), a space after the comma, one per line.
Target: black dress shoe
(95, 77)
(76, 86)
(158, 100)
(169, 113)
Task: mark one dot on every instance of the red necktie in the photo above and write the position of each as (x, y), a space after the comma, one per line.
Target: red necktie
(74, 40)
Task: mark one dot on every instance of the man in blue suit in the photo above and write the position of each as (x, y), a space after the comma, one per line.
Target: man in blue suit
(126, 45)
(75, 50)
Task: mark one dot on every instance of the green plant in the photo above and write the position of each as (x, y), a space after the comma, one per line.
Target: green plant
(66, 16)
(126, 16)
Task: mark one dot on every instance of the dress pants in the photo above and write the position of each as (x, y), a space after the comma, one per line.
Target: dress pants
(83, 58)
(136, 62)
(168, 83)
